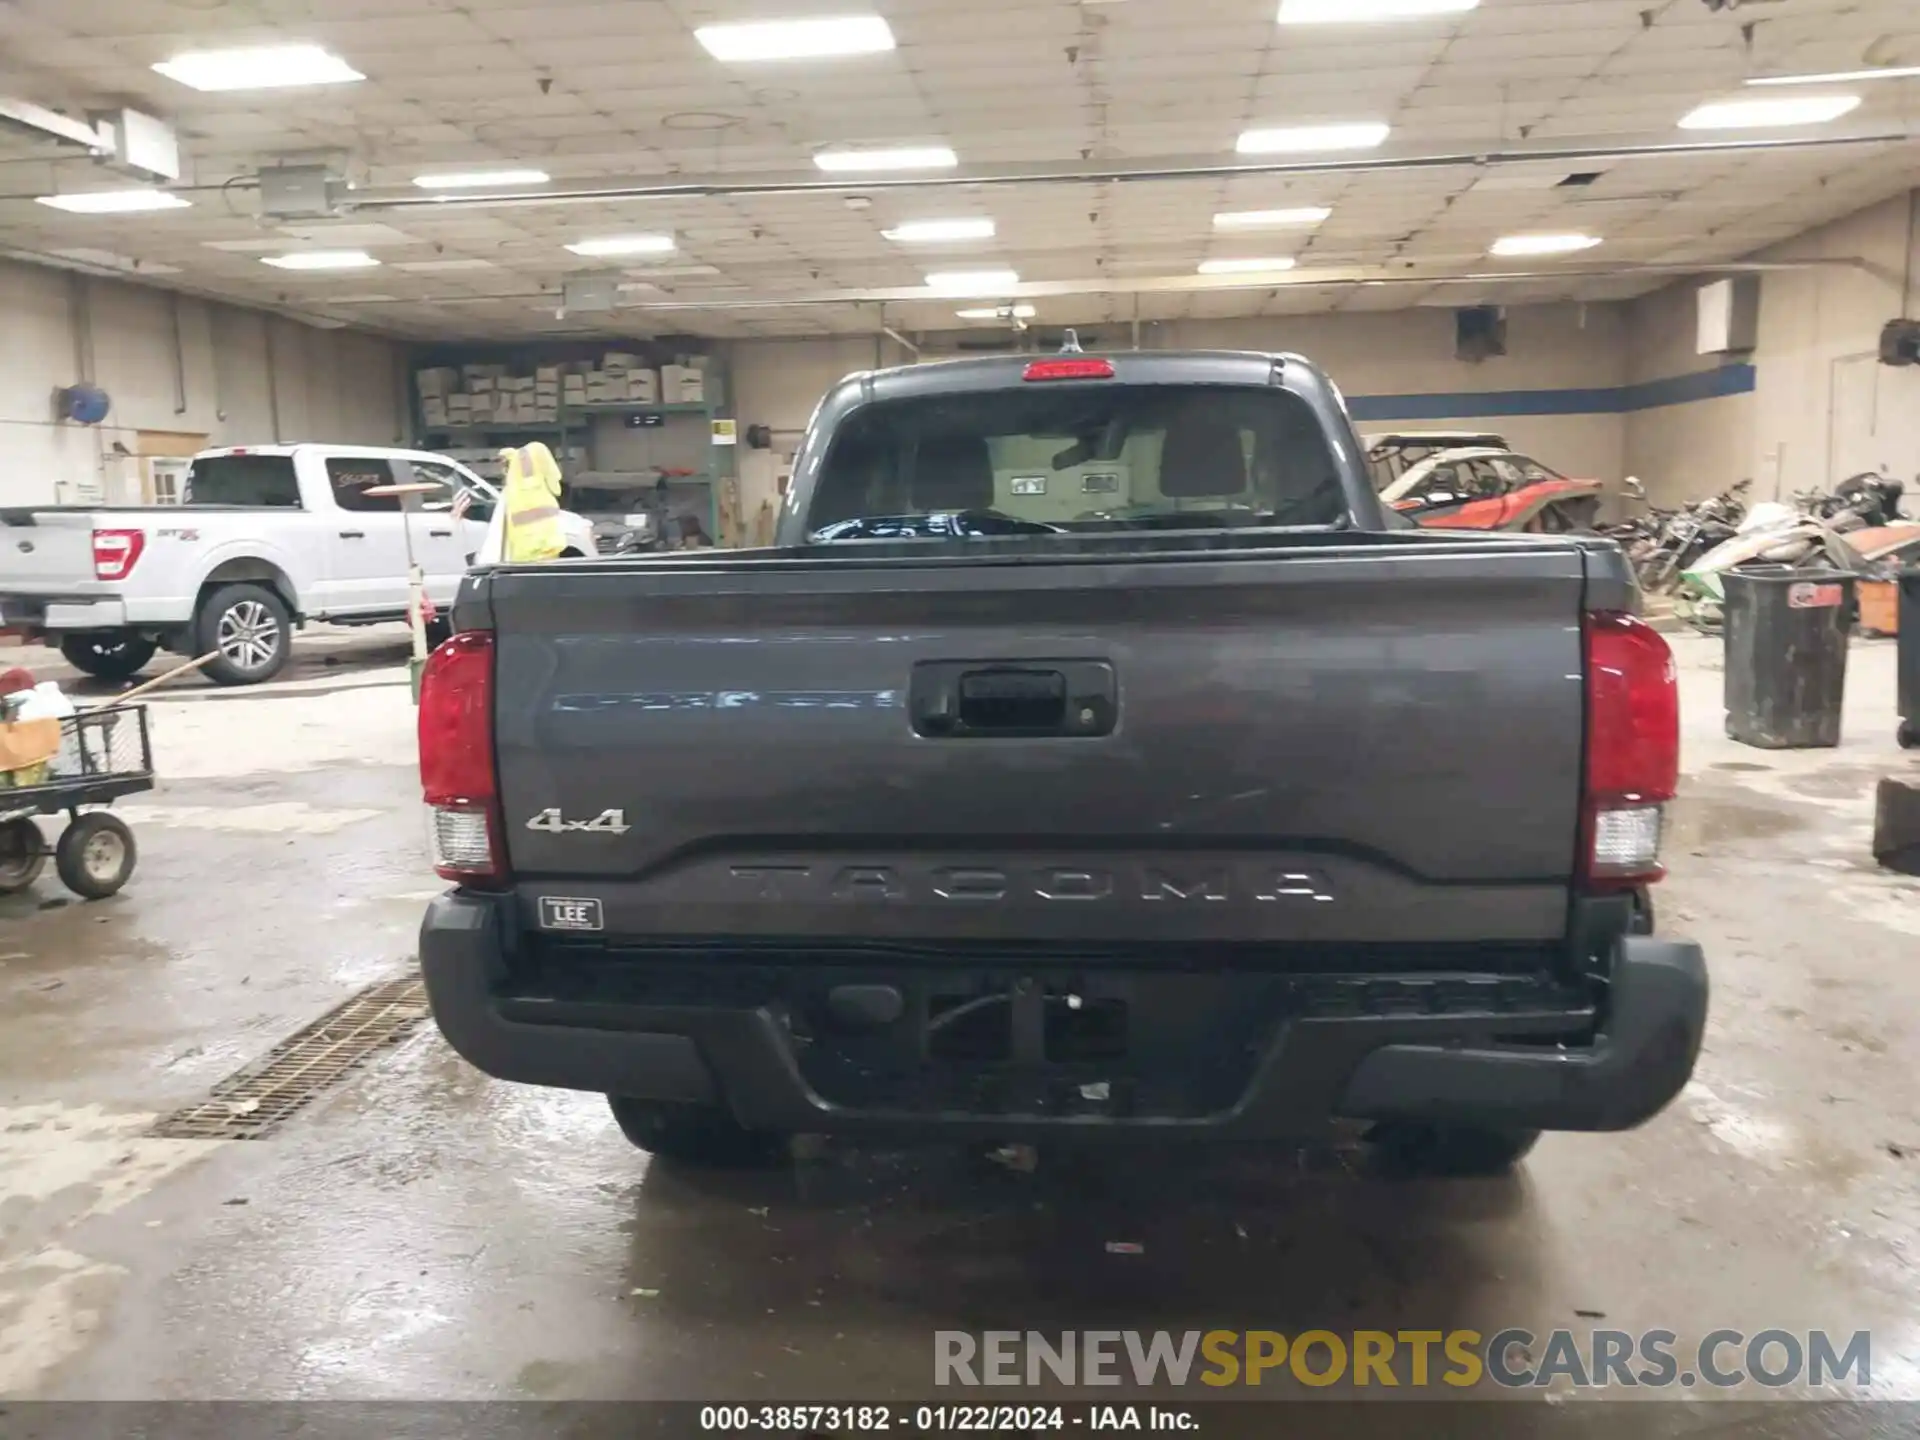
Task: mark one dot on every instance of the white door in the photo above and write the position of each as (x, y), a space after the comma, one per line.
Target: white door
(368, 546)
(448, 529)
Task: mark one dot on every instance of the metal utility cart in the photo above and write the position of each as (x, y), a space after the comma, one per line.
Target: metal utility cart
(104, 753)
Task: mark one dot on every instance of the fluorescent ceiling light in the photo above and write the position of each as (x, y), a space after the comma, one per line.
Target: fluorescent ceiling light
(321, 260)
(624, 245)
(265, 67)
(480, 179)
(1245, 267)
(114, 202)
(1543, 244)
(796, 39)
(1764, 114)
(913, 157)
(1300, 139)
(1270, 219)
(1839, 77)
(1342, 12)
(999, 312)
(972, 282)
(933, 232)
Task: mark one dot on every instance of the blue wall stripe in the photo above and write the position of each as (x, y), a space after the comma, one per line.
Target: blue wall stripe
(1604, 400)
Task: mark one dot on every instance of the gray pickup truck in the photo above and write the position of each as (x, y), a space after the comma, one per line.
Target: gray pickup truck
(1089, 757)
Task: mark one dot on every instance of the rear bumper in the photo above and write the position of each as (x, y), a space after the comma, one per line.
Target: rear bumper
(39, 613)
(1402, 1062)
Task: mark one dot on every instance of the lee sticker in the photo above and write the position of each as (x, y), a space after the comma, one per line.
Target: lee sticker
(561, 912)
(1808, 596)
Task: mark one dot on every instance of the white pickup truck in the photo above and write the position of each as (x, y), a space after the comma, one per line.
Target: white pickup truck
(264, 538)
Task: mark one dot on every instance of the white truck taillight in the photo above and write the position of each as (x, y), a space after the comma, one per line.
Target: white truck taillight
(116, 552)
(456, 762)
(1633, 751)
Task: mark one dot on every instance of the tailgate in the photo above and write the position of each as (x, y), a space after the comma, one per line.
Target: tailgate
(1349, 745)
(46, 552)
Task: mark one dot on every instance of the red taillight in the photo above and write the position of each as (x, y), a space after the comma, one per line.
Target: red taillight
(1633, 750)
(116, 552)
(1069, 370)
(456, 760)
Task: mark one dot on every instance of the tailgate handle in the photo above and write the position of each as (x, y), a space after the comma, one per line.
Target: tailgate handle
(961, 700)
(1013, 700)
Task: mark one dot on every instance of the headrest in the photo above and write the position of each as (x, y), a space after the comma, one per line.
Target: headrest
(1201, 454)
(953, 473)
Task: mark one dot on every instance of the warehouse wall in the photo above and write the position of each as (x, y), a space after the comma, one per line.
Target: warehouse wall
(1825, 407)
(1686, 451)
(237, 376)
(1822, 407)
(778, 382)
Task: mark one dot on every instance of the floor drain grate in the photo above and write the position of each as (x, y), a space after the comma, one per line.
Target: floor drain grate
(259, 1097)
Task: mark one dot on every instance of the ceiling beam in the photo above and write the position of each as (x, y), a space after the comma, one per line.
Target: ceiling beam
(1348, 277)
(39, 123)
(1492, 154)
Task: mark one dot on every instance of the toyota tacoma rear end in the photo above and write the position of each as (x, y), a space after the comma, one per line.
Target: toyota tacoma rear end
(1089, 757)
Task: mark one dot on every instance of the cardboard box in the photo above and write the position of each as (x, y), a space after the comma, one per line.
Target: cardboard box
(643, 386)
(619, 360)
(547, 374)
(434, 413)
(437, 382)
(682, 385)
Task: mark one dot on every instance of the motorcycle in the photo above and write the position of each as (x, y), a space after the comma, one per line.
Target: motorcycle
(1865, 501)
(1663, 543)
(1772, 534)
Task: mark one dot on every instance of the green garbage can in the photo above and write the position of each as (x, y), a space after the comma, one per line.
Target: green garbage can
(1786, 655)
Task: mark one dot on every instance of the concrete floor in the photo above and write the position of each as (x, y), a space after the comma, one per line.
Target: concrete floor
(424, 1233)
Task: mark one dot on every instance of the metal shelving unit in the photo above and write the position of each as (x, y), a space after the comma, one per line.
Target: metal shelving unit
(575, 428)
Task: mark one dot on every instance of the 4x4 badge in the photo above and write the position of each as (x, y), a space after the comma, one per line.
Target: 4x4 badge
(607, 822)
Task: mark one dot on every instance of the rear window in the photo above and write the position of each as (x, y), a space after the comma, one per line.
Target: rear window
(1071, 458)
(242, 480)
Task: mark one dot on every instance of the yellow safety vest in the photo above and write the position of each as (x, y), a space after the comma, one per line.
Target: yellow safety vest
(532, 499)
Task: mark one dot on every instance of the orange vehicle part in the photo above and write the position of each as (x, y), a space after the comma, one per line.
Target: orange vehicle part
(1527, 508)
